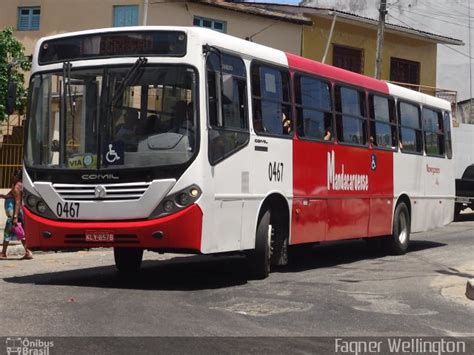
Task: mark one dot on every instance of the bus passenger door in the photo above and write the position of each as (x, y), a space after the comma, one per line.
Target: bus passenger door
(227, 143)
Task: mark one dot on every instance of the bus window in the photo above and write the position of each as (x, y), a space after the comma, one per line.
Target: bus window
(350, 121)
(383, 130)
(434, 132)
(227, 104)
(313, 103)
(411, 139)
(447, 135)
(271, 101)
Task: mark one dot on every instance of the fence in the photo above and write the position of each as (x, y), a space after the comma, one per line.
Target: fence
(11, 148)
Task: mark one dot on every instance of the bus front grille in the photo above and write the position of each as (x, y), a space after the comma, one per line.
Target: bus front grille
(103, 192)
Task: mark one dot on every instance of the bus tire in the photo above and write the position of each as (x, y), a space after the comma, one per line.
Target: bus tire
(397, 243)
(457, 210)
(259, 259)
(128, 260)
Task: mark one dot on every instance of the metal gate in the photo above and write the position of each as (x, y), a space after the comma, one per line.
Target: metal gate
(11, 148)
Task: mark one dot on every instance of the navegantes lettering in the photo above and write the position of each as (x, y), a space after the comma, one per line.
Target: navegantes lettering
(340, 180)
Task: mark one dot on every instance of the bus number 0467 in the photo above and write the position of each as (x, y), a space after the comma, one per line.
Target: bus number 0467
(275, 171)
(68, 209)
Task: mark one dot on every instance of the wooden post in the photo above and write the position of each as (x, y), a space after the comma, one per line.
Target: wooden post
(380, 36)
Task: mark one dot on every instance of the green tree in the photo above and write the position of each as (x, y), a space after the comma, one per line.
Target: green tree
(12, 58)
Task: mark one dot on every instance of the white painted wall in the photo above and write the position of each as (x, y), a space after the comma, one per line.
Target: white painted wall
(463, 148)
(444, 17)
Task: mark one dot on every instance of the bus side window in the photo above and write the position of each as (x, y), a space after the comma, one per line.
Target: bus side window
(313, 105)
(271, 101)
(447, 135)
(383, 125)
(350, 116)
(227, 104)
(433, 131)
(411, 139)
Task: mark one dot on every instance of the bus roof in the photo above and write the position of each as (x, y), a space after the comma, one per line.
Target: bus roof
(253, 50)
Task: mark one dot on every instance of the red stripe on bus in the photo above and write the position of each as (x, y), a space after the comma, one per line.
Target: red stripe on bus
(360, 204)
(181, 230)
(333, 73)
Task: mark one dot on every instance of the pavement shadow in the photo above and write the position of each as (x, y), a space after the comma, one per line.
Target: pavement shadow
(344, 252)
(199, 272)
(187, 273)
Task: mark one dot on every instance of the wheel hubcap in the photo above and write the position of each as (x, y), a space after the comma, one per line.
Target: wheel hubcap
(269, 240)
(403, 229)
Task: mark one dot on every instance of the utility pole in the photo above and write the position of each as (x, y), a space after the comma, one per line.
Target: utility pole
(145, 13)
(380, 35)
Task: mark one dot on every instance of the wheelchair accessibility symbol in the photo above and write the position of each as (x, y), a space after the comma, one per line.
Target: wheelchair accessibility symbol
(113, 153)
(373, 163)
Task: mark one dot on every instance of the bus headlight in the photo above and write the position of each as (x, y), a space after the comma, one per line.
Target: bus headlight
(168, 206)
(31, 201)
(183, 199)
(41, 207)
(36, 205)
(177, 201)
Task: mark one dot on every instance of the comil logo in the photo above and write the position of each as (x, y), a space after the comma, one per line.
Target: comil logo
(340, 180)
(20, 346)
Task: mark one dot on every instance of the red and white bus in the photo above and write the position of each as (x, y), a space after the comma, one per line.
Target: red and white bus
(185, 139)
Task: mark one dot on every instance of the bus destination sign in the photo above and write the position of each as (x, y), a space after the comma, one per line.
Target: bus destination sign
(113, 44)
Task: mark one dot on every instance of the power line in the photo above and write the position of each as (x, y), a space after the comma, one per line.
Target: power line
(438, 19)
(455, 50)
(442, 9)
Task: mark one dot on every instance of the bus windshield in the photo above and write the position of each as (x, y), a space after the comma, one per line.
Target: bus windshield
(112, 118)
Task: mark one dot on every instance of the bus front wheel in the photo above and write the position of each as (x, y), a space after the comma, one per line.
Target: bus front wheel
(259, 259)
(128, 260)
(397, 243)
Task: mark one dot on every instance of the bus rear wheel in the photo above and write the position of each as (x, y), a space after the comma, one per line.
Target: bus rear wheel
(128, 260)
(397, 243)
(259, 259)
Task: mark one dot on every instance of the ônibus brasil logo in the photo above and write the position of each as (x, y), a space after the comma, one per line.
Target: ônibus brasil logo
(340, 180)
(20, 346)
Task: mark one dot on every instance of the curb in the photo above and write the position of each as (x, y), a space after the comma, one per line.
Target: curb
(470, 289)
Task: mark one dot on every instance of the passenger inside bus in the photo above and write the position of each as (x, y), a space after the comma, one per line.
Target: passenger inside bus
(286, 123)
(327, 134)
(126, 133)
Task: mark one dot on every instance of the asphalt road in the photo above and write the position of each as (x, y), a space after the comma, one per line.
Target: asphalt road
(341, 289)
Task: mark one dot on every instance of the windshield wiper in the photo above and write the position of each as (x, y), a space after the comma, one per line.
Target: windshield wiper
(129, 77)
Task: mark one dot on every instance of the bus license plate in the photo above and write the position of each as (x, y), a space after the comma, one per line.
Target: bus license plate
(99, 236)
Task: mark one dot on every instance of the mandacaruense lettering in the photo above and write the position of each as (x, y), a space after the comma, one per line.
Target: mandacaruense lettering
(341, 180)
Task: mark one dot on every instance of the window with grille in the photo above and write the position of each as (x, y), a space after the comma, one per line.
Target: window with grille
(28, 18)
(404, 71)
(126, 15)
(348, 58)
(210, 23)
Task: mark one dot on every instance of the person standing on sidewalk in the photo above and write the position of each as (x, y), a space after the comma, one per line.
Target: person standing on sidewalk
(14, 215)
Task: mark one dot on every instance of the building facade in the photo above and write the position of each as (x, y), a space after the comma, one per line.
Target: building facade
(33, 19)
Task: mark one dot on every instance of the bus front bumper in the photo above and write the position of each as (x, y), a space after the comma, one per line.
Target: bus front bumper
(178, 231)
